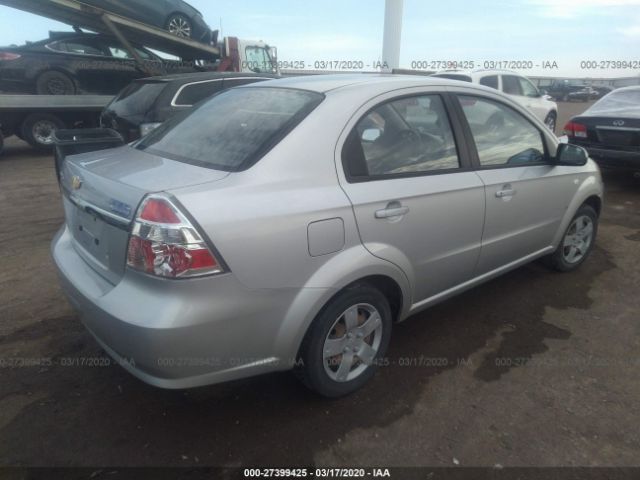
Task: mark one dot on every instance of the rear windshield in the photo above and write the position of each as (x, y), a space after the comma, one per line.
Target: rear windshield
(137, 98)
(454, 76)
(626, 101)
(232, 130)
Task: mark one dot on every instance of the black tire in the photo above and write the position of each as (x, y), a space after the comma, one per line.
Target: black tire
(55, 83)
(558, 259)
(180, 25)
(311, 369)
(551, 116)
(1, 143)
(36, 126)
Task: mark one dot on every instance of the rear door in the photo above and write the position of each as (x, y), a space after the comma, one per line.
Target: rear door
(526, 195)
(417, 202)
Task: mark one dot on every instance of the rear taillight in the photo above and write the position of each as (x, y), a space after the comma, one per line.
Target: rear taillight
(164, 243)
(573, 129)
(8, 56)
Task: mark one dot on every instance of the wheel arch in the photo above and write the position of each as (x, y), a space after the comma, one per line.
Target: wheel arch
(58, 69)
(354, 266)
(590, 193)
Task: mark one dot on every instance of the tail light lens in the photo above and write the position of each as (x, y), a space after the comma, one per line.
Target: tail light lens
(8, 56)
(164, 243)
(573, 129)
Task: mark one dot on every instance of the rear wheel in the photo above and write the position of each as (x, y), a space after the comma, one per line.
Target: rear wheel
(577, 242)
(55, 83)
(38, 129)
(179, 25)
(345, 342)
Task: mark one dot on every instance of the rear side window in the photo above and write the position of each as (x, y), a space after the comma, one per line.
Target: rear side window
(192, 93)
(232, 130)
(76, 47)
(404, 136)
(490, 81)
(137, 98)
(503, 137)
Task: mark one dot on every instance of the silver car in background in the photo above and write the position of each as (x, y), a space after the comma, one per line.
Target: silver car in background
(289, 224)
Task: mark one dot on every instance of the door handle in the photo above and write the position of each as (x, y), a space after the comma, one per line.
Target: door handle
(392, 211)
(505, 193)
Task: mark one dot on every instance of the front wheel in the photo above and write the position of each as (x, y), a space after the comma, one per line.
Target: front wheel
(577, 242)
(179, 25)
(346, 341)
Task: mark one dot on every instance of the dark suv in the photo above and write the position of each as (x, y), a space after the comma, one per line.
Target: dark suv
(146, 103)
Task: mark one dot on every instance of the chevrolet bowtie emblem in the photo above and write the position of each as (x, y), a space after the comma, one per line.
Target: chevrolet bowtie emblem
(76, 182)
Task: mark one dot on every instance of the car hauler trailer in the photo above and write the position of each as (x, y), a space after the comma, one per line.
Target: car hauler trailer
(231, 54)
(34, 118)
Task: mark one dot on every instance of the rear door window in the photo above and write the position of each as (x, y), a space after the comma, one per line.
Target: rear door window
(490, 81)
(404, 136)
(232, 130)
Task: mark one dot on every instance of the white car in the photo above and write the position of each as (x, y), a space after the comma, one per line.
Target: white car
(520, 88)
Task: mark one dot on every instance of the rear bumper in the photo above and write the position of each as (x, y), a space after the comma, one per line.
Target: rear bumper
(615, 158)
(179, 333)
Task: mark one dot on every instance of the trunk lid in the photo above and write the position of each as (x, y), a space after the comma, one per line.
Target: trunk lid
(102, 191)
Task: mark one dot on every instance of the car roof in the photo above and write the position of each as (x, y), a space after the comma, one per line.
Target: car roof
(327, 83)
(478, 72)
(627, 89)
(201, 76)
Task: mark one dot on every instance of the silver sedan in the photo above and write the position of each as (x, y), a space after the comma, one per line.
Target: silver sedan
(288, 224)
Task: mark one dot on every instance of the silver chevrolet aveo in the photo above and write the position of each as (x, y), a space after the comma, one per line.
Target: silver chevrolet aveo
(289, 224)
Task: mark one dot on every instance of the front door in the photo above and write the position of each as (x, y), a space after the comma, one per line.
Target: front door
(526, 195)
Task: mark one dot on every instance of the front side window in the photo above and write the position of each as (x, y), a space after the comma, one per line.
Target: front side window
(511, 85)
(409, 135)
(503, 137)
(528, 89)
(232, 130)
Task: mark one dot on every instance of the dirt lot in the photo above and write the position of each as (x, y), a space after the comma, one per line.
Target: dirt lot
(539, 368)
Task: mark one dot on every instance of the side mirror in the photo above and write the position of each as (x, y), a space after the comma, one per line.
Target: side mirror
(371, 134)
(571, 155)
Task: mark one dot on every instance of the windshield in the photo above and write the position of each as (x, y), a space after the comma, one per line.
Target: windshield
(625, 101)
(232, 130)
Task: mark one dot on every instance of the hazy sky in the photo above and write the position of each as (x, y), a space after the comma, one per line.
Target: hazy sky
(564, 31)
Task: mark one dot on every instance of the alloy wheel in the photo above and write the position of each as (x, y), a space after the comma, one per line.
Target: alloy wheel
(180, 27)
(352, 342)
(578, 239)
